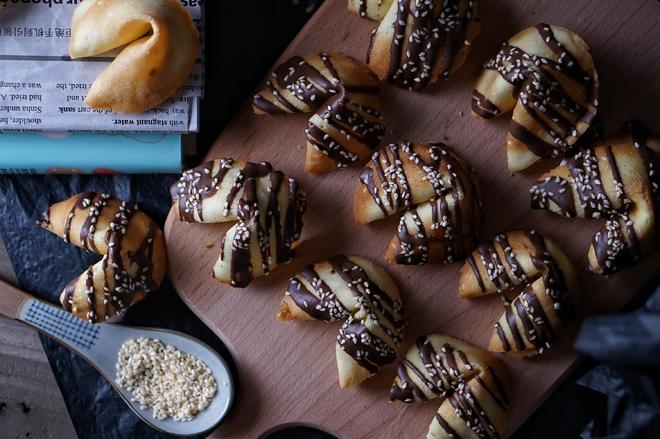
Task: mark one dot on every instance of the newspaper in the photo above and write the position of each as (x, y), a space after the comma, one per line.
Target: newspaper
(42, 89)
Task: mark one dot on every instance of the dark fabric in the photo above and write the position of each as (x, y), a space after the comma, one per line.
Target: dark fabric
(633, 407)
(629, 347)
(627, 340)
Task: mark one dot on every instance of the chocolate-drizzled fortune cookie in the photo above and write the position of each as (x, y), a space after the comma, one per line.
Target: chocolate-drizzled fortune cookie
(267, 206)
(419, 41)
(471, 384)
(545, 74)
(362, 294)
(343, 95)
(616, 181)
(437, 190)
(134, 259)
(526, 263)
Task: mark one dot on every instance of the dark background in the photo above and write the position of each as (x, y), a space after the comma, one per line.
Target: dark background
(240, 49)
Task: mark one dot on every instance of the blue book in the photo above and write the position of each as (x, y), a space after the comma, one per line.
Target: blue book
(90, 153)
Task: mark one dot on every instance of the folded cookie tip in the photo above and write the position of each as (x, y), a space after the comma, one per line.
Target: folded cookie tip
(284, 313)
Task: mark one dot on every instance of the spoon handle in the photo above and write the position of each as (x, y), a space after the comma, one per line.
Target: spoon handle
(11, 300)
(75, 333)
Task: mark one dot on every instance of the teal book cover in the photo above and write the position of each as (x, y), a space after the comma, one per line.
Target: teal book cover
(90, 153)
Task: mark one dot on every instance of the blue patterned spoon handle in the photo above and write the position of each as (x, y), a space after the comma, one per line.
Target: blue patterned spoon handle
(66, 328)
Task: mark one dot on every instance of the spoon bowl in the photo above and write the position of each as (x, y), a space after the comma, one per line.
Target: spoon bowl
(99, 345)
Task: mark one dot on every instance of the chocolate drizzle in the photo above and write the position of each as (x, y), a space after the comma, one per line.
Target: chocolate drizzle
(362, 8)
(617, 244)
(345, 120)
(506, 274)
(453, 206)
(453, 230)
(426, 37)
(450, 376)
(557, 190)
(266, 225)
(588, 183)
(261, 219)
(125, 276)
(251, 221)
(96, 203)
(498, 275)
(371, 307)
(82, 201)
(440, 375)
(539, 86)
(468, 409)
(196, 185)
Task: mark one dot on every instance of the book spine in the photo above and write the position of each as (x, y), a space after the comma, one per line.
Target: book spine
(86, 153)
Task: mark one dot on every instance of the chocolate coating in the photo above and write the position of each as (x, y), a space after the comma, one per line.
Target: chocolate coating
(334, 97)
(375, 307)
(617, 244)
(451, 376)
(257, 215)
(539, 86)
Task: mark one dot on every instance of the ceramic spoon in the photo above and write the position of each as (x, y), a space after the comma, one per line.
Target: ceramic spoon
(99, 345)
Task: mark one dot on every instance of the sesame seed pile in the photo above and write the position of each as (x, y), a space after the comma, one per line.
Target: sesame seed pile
(173, 383)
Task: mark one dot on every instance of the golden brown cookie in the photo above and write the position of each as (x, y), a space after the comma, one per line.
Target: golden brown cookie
(617, 180)
(134, 259)
(542, 281)
(546, 76)
(417, 41)
(362, 294)
(266, 204)
(471, 384)
(343, 95)
(161, 45)
(437, 190)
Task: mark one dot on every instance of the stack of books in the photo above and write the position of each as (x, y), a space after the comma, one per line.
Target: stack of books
(45, 126)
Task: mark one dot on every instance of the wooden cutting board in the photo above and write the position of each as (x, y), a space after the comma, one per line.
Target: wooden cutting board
(287, 371)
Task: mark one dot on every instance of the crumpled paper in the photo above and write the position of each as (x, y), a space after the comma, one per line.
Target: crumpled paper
(629, 347)
(44, 264)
